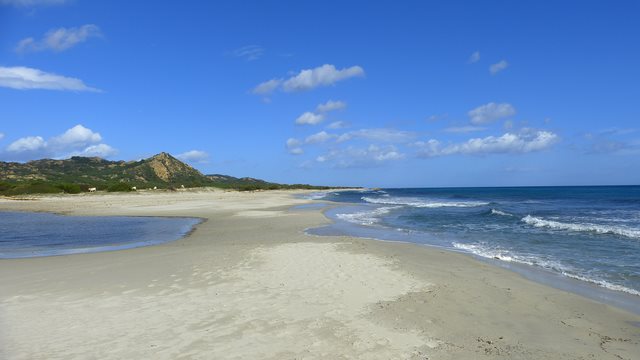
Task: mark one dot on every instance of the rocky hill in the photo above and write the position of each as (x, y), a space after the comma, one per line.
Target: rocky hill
(81, 173)
(161, 169)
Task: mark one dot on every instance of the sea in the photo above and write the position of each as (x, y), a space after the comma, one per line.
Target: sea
(27, 234)
(589, 234)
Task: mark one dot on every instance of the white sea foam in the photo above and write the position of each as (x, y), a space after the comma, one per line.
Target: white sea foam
(501, 213)
(367, 217)
(316, 195)
(504, 255)
(582, 227)
(604, 284)
(421, 203)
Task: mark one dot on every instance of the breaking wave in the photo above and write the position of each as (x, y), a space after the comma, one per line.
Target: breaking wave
(367, 217)
(507, 256)
(422, 203)
(501, 213)
(582, 227)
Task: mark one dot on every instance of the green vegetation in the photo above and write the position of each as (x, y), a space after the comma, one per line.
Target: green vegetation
(78, 174)
(119, 187)
(38, 187)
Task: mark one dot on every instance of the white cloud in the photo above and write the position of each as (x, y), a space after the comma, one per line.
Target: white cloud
(24, 78)
(294, 146)
(76, 141)
(99, 150)
(331, 106)
(267, 87)
(497, 67)
(318, 138)
(309, 118)
(475, 57)
(59, 39)
(26, 3)
(29, 143)
(308, 79)
(490, 112)
(1, 136)
(324, 75)
(372, 155)
(464, 129)
(337, 125)
(378, 135)
(249, 52)
(523, 142)
(77, 136)
(194, 156)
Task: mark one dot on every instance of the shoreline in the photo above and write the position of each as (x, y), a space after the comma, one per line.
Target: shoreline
(587, 289)
(250, 276)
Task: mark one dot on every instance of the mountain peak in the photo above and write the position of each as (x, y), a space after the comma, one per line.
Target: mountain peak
(163, 156)
(169, 169)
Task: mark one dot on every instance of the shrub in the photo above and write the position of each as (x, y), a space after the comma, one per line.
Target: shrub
(119, 187)
(70, 188)
(4, 186)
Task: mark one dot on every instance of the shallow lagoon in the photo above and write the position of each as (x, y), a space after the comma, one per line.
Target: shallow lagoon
(25, 234)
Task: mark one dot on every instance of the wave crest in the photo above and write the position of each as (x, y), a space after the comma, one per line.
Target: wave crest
(368, 217)
(581, 227)
(504, 255)
(420, 203)
(501, 213)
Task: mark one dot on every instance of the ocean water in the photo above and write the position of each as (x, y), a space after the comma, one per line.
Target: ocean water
(590, 234)
(24, 234)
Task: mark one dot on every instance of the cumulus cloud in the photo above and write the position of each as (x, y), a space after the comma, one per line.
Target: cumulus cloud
(373, 155)
(249, 52)
(331, 106)
(77, 136)
(294, 146)
(523, 142)
(308, 79)
(309, 118)
(324, 75)
(99, 150)
(24, 78)
(27, 3)
(475, 57)
(76, 141)
(59, 39)
(490, 112)
(29, 143)
(497, 67)
(194, 156)
(378, 135)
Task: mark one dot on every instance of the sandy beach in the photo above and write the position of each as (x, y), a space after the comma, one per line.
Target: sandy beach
(248, 283)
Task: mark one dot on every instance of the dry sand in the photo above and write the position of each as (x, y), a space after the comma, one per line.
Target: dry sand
(249, 284)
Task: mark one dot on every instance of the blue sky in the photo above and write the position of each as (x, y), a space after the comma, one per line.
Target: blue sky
(388, 94)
